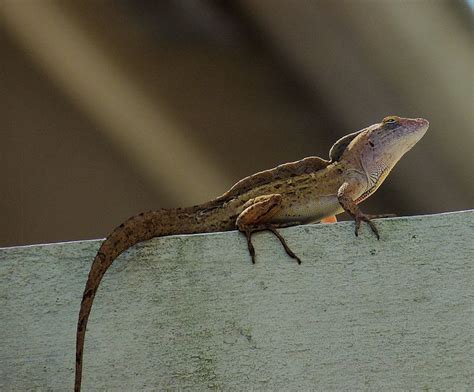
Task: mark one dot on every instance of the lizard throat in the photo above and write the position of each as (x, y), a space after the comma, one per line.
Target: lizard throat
(374, 180)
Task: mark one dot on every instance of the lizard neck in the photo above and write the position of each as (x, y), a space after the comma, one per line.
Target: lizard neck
(374, 170)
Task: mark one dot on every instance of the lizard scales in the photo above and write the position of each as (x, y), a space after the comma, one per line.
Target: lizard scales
(310, 190)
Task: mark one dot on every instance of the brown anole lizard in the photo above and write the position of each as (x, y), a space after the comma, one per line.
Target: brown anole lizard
(309, 190)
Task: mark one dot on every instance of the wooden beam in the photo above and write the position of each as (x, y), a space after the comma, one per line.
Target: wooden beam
(192, 312)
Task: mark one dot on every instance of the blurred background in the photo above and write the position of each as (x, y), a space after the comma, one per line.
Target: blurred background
(110, 108)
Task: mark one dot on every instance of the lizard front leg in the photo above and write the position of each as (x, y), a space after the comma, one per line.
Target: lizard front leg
(257, 215)
(345, 197)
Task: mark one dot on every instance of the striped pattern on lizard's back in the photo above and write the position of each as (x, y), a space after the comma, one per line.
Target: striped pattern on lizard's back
(286, 171)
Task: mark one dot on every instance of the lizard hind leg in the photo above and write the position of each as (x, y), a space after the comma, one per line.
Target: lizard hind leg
(256, 216)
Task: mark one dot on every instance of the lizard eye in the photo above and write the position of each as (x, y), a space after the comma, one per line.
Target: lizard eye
(389, 120)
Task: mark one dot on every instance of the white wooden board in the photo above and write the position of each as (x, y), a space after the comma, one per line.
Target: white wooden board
(193, 313)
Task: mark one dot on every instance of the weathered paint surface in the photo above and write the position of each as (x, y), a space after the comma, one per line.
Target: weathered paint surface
(192, 312)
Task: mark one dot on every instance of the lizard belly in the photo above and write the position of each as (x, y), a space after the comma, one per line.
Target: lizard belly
(305, 211)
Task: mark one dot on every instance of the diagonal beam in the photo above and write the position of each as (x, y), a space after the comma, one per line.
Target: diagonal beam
(127, 116)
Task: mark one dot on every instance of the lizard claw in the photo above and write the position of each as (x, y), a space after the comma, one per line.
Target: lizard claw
(288, 251)
(357, 226)
(374, 229)
(248, 234)
(368, 219)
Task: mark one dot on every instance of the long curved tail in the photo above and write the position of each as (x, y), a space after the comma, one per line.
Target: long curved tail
(136, 229)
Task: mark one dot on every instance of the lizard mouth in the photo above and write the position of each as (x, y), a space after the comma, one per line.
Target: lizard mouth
(415, 130)
(423, 123)
(416, 126)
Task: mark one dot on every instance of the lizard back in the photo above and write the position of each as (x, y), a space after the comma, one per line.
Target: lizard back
(282, 172)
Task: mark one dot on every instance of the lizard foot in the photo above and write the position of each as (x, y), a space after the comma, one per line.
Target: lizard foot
(248, 234)
(288, 251)
(361, 217)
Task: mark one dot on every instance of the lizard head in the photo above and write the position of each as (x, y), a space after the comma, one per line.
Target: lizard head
(380, 146)
(394, 137)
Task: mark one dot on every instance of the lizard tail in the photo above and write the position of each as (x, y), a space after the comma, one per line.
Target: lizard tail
(136, 229)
